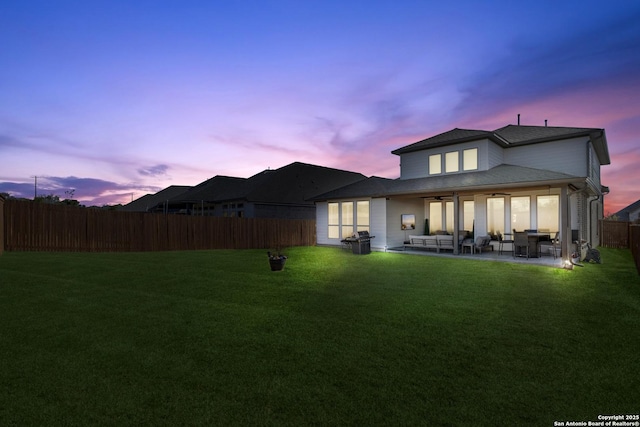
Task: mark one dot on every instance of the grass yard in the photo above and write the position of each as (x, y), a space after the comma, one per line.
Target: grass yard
(216, 338)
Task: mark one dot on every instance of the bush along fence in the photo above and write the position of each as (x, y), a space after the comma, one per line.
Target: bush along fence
(29, 226)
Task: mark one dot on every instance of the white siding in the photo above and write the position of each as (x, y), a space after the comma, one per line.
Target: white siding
(415, 164)
(594, 167)
(378, 223)
(494, 156)
(395, 208)
(322, 225)
(568, 156)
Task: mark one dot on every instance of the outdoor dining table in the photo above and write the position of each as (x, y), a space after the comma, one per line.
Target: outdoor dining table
(534, 241)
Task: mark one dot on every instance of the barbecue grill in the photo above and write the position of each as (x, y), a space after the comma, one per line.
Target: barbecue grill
(360, 242)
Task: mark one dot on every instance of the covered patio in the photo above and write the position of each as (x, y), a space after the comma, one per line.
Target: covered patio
(506, 256)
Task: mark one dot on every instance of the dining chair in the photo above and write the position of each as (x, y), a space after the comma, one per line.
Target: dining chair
(551, 245)
(506, 238)
(521, 244)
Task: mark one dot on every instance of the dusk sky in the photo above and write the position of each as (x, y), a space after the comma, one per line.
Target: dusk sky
(116, 99)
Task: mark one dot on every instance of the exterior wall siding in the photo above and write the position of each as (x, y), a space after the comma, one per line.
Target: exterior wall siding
(415, 164)
(378, 222)
(396, 236)
(564, 156)
(322, 225)
(494, 155)
(594, 167)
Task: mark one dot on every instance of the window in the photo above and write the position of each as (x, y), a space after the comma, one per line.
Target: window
(549, 213)
(495, 215)
(334, 220)
(470, 159)
(340, 218)
(435, 164)
(435, 216)
(451, 162)
(347, 219)
(362, 215)
(468, 207)
(521, 213)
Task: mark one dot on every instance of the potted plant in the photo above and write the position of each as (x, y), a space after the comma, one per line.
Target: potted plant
(276, 260)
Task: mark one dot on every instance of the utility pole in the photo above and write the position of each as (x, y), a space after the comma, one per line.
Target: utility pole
(35, 187)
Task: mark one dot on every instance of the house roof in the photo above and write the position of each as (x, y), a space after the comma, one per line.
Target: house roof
(148, 201)
(218, 187)
(291, 184)
(514, 135)
(498, 178)
(623, 214)
(297, 183)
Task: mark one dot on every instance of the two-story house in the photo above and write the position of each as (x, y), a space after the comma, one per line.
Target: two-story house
(516, 177)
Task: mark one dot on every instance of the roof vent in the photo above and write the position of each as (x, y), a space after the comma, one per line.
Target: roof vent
(518, 119)
(545, 122)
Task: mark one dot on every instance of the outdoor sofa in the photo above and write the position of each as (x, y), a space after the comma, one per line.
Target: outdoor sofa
(438, 241)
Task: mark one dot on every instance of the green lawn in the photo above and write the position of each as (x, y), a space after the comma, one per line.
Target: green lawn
(216, 338)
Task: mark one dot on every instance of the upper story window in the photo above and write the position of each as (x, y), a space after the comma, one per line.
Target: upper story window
(470, 159)
(451, 162)
(435, 164)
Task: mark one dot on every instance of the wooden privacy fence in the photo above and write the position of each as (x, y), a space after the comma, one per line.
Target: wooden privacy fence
(635, 244)
(614, 234)
(32, 226)
(1, 225)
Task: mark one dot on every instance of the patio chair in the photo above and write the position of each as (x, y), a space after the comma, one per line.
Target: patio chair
(551, 246)
(507, 238)
(482, 243)
(521, 244)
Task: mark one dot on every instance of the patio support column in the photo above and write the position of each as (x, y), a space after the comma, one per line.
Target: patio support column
(565, 222)
(456, 223)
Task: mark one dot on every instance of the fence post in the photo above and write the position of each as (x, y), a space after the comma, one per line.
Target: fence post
(1, 224)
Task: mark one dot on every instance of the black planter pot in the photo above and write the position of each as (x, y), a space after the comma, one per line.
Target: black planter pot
(277, 263)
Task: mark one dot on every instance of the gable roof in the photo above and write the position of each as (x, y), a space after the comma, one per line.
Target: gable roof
(498, 178)
(454, 136)
(514, 135)
(291, 184)
(297, 183)
(218, 187)
(146, 202)
(623, 214)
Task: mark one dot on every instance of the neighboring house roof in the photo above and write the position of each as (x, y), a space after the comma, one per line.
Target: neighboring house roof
(498, 178)
(623, 214)
(514, 135)
(291, 184)
(148, 201)
(297, 183)
(218, 187)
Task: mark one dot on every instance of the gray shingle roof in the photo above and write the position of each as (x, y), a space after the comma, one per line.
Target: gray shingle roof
(148, 201)
(514, 135)
(454, 136)
(498, 178)
(290, 184)
(623, 214)
(218, 187)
